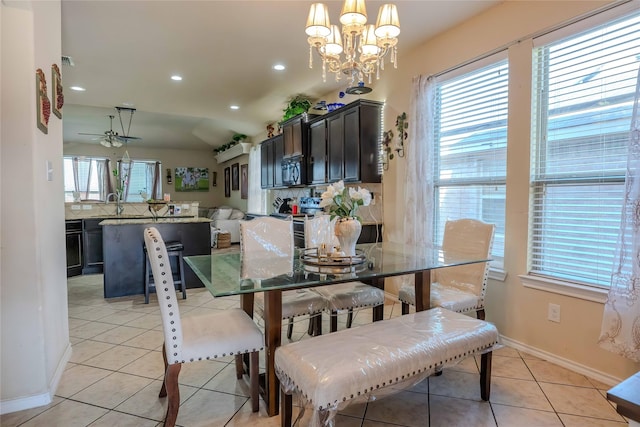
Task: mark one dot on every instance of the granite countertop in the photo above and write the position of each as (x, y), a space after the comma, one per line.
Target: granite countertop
(150, 220)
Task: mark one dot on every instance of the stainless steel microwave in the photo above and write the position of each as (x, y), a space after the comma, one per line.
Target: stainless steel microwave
(293, 171)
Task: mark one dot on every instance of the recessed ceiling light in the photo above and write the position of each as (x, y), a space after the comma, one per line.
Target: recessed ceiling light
(176, 78)
(77, 88)
(234, 107)
(279, 67)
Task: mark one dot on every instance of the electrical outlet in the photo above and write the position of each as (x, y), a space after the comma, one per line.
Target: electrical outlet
(554, 313)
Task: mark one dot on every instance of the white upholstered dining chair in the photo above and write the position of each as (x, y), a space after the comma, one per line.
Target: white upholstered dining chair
(460, 288)
(344, 296)
(266, 246)
(194, 338)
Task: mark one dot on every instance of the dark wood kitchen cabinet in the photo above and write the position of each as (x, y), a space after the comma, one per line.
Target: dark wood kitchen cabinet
(92, 244)
(271, 153)
(351, 138)
(292, 133)
(73, 234)
(317, 162)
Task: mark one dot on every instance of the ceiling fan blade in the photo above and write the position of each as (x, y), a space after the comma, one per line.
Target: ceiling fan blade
(92, 134)
(126, 138)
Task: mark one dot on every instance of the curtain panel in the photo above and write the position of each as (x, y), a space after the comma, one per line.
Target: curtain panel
(621, 320)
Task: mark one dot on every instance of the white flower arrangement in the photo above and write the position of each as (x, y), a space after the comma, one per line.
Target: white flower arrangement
(344, 202)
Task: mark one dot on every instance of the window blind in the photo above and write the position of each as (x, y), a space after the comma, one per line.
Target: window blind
(141, 176)
(584, 87)
(471, 148)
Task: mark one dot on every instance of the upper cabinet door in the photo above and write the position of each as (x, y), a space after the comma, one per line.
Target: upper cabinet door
(335, 148)
(266, 168)
(278, 152)
(351, 119)
(317, 161)
(292, 131)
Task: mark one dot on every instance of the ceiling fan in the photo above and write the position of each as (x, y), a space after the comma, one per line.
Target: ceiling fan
(112, 138)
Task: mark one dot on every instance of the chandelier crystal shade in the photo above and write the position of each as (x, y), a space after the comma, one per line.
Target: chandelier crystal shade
(358, 50)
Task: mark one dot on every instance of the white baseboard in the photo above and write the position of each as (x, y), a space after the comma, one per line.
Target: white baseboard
(561, 361)
(28, 402)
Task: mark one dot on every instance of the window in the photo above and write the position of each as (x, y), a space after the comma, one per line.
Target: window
(86, 179)
(89, 177)
(471, 150)
(584, 88)
(140, 177)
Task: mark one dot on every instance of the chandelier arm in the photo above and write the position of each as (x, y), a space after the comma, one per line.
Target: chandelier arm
(351, 50)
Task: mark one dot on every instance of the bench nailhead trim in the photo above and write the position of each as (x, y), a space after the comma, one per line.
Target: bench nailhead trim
(359, 393)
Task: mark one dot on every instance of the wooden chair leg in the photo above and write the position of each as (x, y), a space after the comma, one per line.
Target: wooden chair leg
(163, 389)
(239, 366)
(405, 308)
(173, 393)
(485, 375)
(334, 321)
(312, 325)
(254, 375)
(317, 324)
(350, 318)
(290, 329)
(480, 314)
(286, 409)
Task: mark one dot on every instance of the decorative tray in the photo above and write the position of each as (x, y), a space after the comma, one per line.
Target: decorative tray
(310, 256)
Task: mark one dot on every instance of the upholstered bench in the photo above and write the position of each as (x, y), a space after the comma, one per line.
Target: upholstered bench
(330, 370)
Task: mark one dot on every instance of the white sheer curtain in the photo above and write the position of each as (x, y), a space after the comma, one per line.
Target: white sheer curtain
(418, 224)
(621, 320)
(255, 198)
(418, 192)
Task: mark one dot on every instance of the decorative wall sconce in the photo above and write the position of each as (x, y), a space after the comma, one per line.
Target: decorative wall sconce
(214, 179)
(169, 177)
(387, 138)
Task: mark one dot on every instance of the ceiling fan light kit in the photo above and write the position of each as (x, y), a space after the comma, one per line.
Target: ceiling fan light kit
(112, 139)
(364, 46)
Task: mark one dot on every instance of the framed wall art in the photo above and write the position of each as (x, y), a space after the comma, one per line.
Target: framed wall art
(227, 182)
(235, 176)
(42, 100)
(191, 179)
(56, 91)
(244, 181)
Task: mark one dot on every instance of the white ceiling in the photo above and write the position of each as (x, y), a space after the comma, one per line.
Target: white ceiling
(125, 52)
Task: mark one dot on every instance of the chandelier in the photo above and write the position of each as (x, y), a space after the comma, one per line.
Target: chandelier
(359, 50)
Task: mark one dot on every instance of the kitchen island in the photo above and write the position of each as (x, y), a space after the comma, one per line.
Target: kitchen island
(123, 248)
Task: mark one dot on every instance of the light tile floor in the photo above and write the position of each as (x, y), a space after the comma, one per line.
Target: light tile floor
(115, 371)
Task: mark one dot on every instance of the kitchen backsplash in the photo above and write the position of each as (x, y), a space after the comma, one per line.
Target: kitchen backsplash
(102, 210)
(369, 214)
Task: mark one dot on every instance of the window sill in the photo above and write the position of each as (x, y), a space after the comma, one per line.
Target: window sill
(570, 289)
(497, 274)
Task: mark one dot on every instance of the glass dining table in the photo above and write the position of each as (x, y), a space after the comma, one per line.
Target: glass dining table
(229, 274)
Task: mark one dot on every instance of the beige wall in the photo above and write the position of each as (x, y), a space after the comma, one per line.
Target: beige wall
(34, 326)
(520, 313)
(172, 159)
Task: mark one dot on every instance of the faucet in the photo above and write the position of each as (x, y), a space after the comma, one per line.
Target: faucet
(119, 207)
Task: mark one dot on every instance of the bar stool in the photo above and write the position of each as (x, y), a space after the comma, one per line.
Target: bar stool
(174, 249)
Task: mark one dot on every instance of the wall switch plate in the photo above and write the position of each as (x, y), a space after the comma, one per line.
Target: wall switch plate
(49, 168)
(87, 207)
(554, 313)
(76, 207)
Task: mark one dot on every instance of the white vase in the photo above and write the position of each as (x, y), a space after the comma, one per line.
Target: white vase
(348, 231)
